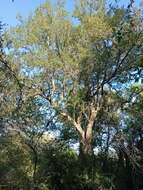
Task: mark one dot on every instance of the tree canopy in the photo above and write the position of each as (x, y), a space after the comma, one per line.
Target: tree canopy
(71, 98)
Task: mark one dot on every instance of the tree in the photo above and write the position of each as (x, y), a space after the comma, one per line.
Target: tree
(79, 64)
(77, 76)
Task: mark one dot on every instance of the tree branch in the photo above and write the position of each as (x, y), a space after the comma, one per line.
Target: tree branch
(77, 125)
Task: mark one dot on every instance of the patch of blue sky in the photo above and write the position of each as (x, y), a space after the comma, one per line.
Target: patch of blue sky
(9, 10)
(31, 72)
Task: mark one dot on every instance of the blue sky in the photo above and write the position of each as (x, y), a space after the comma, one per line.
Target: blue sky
(9, 10)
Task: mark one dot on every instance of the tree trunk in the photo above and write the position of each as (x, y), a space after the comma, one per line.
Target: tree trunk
(87, 135)
(86, 158)
(86, 145)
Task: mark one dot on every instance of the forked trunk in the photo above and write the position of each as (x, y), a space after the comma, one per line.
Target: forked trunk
(86, 147)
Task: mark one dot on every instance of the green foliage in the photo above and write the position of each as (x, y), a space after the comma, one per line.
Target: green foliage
(80, 81)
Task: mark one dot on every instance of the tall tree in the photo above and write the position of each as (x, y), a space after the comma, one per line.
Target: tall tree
(77, 66)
